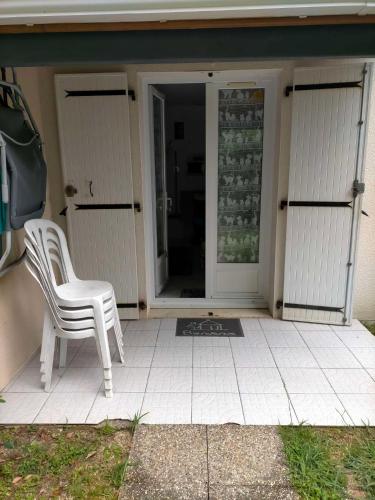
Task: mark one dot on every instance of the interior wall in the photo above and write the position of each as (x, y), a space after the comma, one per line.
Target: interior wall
(21, 304)
(192, 144)
(365, 283)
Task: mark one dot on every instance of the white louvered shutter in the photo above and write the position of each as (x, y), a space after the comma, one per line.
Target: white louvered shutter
(93, 115)
(328, 124)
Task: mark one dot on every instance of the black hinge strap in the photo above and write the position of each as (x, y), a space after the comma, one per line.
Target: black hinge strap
(92, 93)
(109, 206)
(285, 203)
(322, 86)
(132, 305)
(310, 307)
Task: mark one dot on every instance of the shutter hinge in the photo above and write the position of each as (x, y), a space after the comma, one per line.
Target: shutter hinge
(137, 207)
(131, 93)
(322, 86)
(63, 211)
(279, 304)
(358, 188)
(283, 204)
(142, 305)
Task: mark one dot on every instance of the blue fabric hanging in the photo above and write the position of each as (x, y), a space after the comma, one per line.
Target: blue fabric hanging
(3, 213)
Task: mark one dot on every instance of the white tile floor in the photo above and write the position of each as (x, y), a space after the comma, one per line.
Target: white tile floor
(280, 372)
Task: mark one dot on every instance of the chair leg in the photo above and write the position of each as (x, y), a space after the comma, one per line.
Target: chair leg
(63, 348)
(47, 328)
(118, 335)
(50, 352)
(103, 349)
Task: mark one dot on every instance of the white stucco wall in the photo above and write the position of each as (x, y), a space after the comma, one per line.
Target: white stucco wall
(364, 286)
(21, 302)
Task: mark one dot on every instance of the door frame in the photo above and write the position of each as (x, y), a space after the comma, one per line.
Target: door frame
(153, 78)
(158, 260)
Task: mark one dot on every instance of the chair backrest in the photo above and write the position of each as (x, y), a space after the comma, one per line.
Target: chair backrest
(50, 245)
(64, 319)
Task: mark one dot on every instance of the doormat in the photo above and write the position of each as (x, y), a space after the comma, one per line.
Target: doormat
(203, 327)
(194, 293)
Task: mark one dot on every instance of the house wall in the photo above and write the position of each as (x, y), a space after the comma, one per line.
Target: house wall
(364, 288)
(21, 303)
(46, 108)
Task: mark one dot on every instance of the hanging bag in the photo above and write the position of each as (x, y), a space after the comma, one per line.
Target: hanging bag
(26, 168)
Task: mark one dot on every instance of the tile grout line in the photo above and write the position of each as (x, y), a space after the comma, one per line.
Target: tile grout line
(238, 385)
(372, 378)
(57, 383)
(95, 398)
(102, 383)
(149, 370)
(357, 359)
(41, 408)
(290, 404)
(325, 376)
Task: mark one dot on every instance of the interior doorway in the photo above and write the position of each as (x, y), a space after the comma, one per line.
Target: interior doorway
(179, 191)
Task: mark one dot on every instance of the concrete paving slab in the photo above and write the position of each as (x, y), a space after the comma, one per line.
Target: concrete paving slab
(251, 492)
(246, 462)
(170, 463)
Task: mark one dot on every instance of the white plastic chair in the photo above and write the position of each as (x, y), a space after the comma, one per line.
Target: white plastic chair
(76, 308)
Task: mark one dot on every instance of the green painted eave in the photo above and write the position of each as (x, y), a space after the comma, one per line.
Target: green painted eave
(187, 45)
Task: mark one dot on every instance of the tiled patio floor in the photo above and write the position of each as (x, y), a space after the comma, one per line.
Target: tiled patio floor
(280, 372)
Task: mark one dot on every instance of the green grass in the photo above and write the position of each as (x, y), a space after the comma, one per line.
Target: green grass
(120, 471)
(331, 462)
(77, 462)
(360, 460)
(136, 420)
(313, 473)
(370, 325)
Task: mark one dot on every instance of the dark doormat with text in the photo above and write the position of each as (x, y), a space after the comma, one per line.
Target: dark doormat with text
(206, 327)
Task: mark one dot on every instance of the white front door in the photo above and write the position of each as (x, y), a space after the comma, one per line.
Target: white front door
(240, 155)
(159, 191)
(93, 117)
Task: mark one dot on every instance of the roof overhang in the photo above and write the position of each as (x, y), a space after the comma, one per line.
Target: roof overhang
(95, 11)
(186, 45)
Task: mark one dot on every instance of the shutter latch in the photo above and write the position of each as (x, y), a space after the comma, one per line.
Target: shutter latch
(358, 188)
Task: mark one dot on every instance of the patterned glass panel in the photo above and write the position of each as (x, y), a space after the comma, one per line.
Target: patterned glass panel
(240, 174)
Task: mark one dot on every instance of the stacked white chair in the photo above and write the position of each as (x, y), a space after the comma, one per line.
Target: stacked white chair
(75, 309)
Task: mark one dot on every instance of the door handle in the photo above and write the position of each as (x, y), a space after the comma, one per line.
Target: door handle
(70, 191)
(169, 204)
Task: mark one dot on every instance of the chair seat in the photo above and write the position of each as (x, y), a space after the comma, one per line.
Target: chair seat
(82, 289)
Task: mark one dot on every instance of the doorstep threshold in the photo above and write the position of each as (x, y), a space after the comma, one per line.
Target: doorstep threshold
(192, 312)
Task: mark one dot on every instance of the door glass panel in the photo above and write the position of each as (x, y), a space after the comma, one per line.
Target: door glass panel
(159, 174)
(240, 155)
